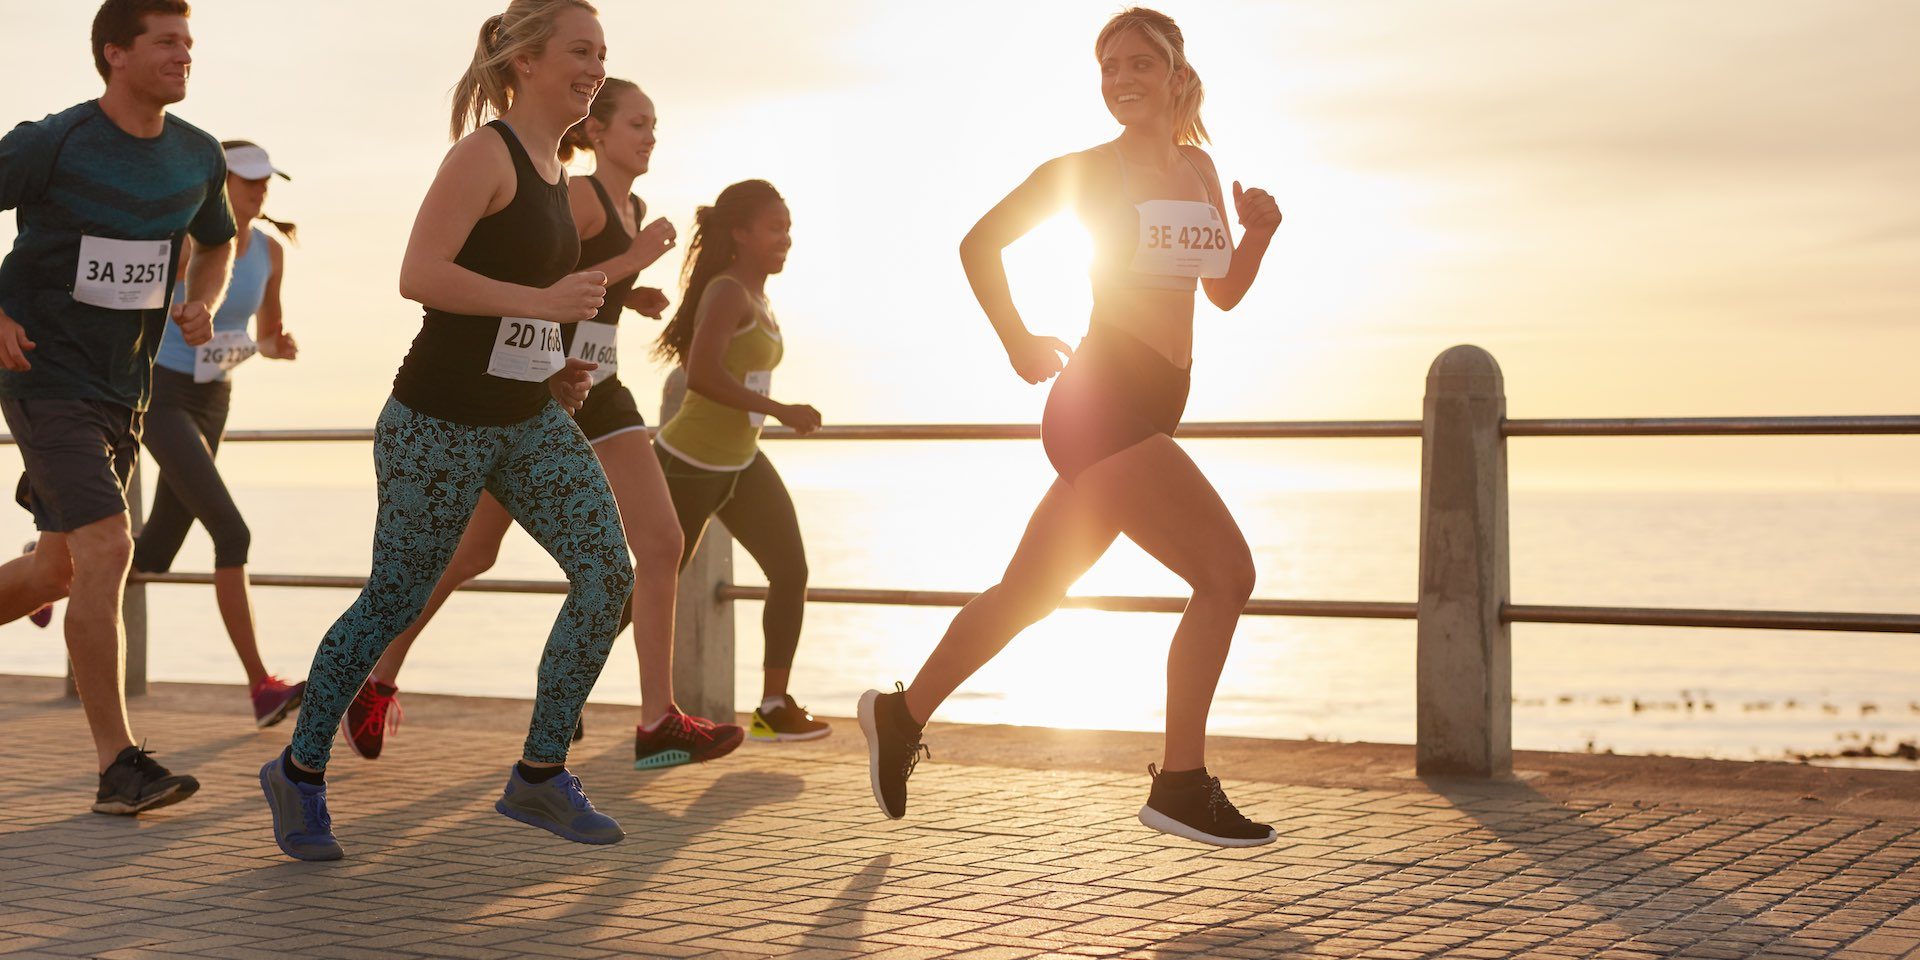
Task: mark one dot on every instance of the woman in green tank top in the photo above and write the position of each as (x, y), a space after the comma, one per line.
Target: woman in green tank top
(725, 335)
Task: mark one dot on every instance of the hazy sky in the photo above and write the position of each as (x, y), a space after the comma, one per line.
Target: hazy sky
(1641, 208)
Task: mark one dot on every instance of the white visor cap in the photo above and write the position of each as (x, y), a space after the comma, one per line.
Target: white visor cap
(250, 163)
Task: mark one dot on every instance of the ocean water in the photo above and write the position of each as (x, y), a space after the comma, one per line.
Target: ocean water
(946, 516)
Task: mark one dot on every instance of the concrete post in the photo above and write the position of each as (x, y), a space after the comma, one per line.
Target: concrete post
(702, 622)
(1465, 692)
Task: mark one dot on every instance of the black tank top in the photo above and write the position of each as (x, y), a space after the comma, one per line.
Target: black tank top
(531, 242)
(612, 241)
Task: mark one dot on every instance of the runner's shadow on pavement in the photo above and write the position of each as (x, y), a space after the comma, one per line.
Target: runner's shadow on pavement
(860, 890)
(1613, 882)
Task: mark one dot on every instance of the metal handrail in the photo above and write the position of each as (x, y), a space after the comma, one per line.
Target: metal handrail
(1259, 607)
(1357, 609)
(1279, 429)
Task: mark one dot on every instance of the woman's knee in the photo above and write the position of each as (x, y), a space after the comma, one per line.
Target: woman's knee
(468, 564)
(657, 555)
(1227, 575)
(231, 544)
(788, 572)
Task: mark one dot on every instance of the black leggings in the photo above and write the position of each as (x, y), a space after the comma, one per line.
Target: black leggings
(755, 506)
(183, 430)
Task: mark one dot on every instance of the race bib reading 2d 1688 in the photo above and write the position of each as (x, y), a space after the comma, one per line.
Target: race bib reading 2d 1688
(122, 274)
(525, 349)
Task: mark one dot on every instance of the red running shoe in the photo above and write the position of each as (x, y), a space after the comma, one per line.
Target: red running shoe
(274, 698)
(679, 739)
(374, 713)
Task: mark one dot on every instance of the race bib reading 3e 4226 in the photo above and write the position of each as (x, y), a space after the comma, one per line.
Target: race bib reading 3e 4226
(1182, 238)
(122, 274)
(525, 349)
(594, 342)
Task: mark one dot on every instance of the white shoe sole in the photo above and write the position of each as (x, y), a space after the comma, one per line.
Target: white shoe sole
(869, 720)
(1168, 825)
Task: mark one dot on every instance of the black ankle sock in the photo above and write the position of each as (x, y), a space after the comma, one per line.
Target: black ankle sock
(1180, 779)
(538, 774)
(297, 775)
(895, 706)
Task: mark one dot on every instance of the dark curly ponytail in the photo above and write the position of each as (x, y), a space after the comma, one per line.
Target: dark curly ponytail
(710, 251)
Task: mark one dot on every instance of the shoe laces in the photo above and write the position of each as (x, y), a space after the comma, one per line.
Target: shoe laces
(576, 794)
(686, 727)
(313, 811)
(916, 751)
(142, 762)
(269, 682)
(1220, 808)
(383, 711)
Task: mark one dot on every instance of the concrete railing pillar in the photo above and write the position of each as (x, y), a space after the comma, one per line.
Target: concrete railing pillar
(1465, 691)
(702, 622)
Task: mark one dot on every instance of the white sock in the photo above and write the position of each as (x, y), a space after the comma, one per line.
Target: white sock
(772, 703)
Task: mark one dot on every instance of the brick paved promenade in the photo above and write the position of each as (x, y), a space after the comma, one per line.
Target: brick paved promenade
(1023, 844)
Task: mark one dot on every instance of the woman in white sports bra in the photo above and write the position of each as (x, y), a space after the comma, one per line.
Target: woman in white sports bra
(1153, 202)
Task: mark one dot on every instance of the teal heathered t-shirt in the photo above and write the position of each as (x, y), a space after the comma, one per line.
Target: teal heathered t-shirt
(77, 174)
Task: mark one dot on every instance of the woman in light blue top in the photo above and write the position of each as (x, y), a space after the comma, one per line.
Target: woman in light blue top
(188, 415)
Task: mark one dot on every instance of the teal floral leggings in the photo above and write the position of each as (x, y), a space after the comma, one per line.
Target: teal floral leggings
(430, 473)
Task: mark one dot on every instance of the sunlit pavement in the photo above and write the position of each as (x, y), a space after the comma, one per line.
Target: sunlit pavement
(779, 851)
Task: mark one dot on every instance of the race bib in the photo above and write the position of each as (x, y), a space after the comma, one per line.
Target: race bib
(122, 274)
(1182, 238)
(759, 381)
(525, 349)
(594, 343)
(227, 349)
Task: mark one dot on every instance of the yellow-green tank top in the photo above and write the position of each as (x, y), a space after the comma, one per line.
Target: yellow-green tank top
(710, 434)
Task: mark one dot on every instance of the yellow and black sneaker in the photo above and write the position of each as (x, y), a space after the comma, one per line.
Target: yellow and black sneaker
(788, 721)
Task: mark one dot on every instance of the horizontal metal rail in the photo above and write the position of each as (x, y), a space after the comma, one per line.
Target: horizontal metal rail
(1262, 607)
(1737, 619)
(1279, 429)
(1712, 427)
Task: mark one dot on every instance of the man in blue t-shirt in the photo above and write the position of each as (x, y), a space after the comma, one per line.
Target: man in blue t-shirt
(107, 193)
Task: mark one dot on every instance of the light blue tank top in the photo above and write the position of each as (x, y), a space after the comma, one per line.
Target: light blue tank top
(244, 293)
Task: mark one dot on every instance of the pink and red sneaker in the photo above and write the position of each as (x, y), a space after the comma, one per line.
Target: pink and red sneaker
(374, 713)
(274, 698)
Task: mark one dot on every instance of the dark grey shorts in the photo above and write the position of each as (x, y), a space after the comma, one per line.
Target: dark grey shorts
(79, 455)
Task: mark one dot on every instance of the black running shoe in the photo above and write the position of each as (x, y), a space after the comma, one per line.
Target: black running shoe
(893, 747)
(1199, 810)
(135, 783)
(788, 721)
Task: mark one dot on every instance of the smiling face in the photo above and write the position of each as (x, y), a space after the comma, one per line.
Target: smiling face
(566, 74)
(154, 67)
(763, 243)
(626, 138)
(1136, 80)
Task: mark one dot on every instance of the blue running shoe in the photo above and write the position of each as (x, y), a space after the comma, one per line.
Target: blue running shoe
(559, 806)
(301, 825)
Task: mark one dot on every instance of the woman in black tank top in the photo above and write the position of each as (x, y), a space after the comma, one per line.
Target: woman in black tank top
(619, 133)
(477, 407)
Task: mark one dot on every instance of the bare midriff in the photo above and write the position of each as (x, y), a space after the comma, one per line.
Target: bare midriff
(1161, 319)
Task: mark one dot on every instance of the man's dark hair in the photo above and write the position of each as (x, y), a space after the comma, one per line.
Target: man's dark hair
(120, 21)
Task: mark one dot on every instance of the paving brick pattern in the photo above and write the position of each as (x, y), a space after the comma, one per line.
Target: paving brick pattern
(779, 852)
